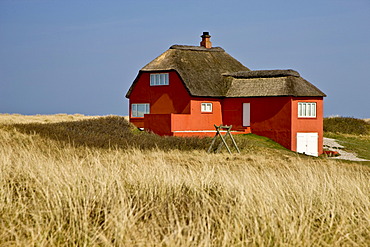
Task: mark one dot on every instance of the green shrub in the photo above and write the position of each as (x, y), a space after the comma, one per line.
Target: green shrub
(346, 125)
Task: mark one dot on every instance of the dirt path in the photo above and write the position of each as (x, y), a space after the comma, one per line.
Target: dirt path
(333, 145)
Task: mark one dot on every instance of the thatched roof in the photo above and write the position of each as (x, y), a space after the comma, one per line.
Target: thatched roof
(200, 68)
(269, 83)
(211, 72)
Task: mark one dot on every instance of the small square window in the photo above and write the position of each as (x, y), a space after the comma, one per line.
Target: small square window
(138, 110)
(206, 107)
(306, 109)
(159, 79)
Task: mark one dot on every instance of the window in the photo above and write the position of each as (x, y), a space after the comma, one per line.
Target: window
(138, 110)
(246, 114)
(306, 109)
(206, 107)
(159, 79)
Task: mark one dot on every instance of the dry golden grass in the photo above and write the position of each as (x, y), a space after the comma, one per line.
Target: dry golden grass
(18, 118)
(66, 195)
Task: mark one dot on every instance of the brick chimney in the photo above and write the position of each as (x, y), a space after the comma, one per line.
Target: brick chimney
(206, 40)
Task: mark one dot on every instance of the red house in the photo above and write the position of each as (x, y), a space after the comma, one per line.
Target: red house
(188, 89)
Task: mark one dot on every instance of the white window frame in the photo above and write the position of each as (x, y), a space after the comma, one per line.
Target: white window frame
(135, 109)
(159, 79)
(307, 109)
(206, 107)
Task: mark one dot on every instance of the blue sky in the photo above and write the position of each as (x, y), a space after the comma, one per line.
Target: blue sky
(82, 56)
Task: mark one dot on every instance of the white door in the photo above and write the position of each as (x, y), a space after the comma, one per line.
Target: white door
(308, 143)
(246, 114)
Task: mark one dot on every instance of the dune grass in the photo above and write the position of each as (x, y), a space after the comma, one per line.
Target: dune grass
(346, 125)
(62, 117)
(116, 132)
(59, 193)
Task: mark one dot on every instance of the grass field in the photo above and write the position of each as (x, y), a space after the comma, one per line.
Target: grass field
(352, 133)
(85, 181)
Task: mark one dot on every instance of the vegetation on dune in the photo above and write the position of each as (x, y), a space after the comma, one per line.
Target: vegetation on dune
(62, 117)
(57, 193)
(346, 125)
(117, 132)
(108, 132)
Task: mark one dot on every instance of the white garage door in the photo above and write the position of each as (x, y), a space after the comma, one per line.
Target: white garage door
(308, 143)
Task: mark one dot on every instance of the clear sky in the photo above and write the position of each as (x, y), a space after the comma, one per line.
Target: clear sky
(81, 56)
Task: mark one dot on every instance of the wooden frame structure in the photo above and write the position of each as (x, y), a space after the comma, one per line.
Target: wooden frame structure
(223, 139)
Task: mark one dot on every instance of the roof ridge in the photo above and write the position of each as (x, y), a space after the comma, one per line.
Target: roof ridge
(263, 73)
(196, 48)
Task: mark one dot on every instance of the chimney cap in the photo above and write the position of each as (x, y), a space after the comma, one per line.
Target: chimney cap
(205, 35)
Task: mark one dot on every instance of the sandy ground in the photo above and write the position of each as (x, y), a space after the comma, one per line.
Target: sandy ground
(333, 145)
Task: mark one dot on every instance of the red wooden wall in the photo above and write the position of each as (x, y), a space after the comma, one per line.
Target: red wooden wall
(164, 99)
(308, 124)
(174, 112)
(270, 116)
(275, 118)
